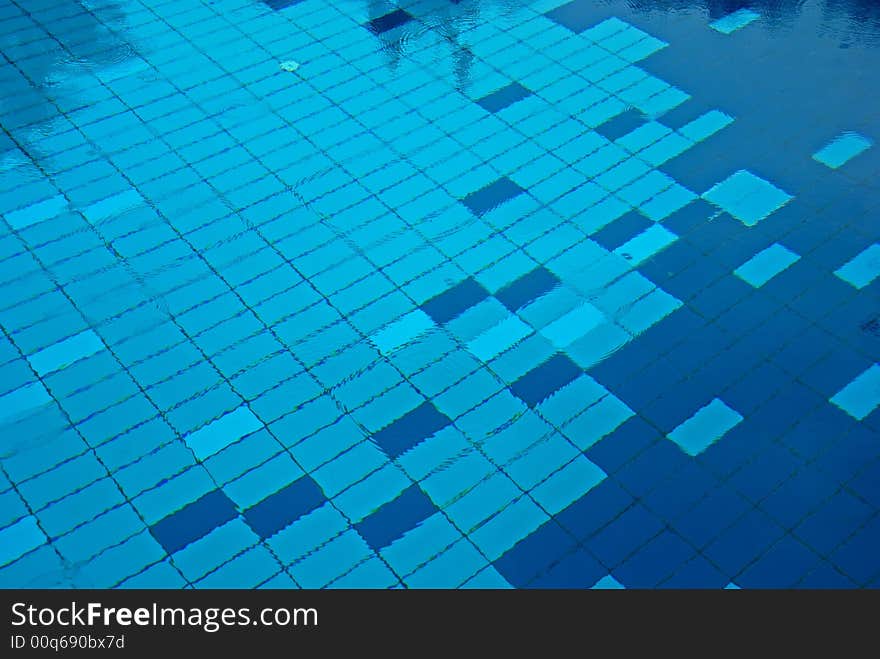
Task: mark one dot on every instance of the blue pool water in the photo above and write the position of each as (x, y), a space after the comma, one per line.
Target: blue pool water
(427, 293)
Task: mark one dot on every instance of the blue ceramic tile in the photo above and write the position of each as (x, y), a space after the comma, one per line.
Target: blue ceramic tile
(431, 298)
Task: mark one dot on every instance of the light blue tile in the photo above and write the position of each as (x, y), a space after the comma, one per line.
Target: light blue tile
(566, 330)
(39, 212)
(568, 485)
(597, 421)
(844, 148)
(705, 427)
(508, 527)
(862, 269)
(646, 244)
(112, 206)
(747, 197)
(408, 328)
(861, 396)
(332, 560)
(667, 202)
(766, 264)
(705, 125)
(421, 544)
(499, 338)
(487, 579)
(735, 21)
(23, 400)
(450, 569)
(219, 434)
(608, 583)
(66, 352)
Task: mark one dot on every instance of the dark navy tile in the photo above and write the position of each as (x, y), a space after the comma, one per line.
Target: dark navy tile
(389, 21)
(622, 230)
(783, 566)
(578, 569)
(540, 383)
(697, 573)
(534, 554)
(679, 401)
(804, 350)
(504, 97)
(627, 533)
(279, 510)
(651, 466)
(680, 491)
(816, 431)
(705, 521)
(194, 521)
(621, 125)
(834, 522)
(743, 543)
(867, 484)
(848, 456)
(577, 16)
(825, 576)
(801, 494)
(756, 387)
(655, 562)
(454, 302)
(686, 219)
(621, 446)
(767, 471)
(395, 518)
(411, 429)
(492, 196)
(835, 370)
(527, 288)
(858, 558)
(595, 509)
(278, 5)
(669, 263)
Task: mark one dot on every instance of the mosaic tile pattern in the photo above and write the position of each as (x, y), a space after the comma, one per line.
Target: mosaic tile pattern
(417, 294)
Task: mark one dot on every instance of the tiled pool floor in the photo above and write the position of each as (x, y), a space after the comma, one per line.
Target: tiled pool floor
(436, 294)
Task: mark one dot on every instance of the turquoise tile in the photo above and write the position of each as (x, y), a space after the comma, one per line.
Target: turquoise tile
(861, 396)
(862, 269)
(19, 539)
(766, 264)
(706, 427)
(842, 149)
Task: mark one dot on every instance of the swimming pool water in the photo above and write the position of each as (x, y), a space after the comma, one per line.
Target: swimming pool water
(439, 294)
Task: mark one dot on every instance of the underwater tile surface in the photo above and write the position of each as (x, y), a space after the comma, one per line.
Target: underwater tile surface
(479, 294)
